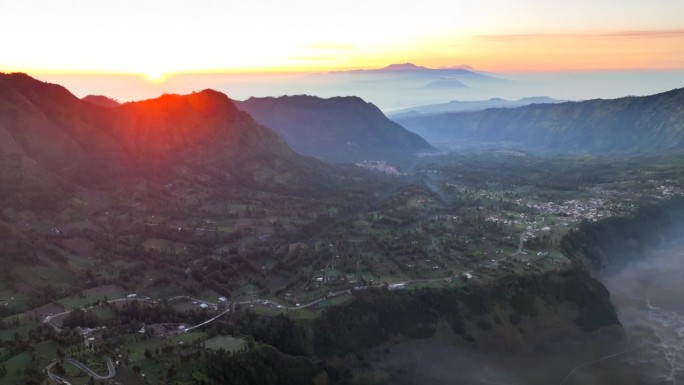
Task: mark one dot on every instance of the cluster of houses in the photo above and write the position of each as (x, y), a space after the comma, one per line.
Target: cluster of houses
(379, 165)
(670, 191)
(568, 212)
(90, 335)
(222, 303)
(575, 210)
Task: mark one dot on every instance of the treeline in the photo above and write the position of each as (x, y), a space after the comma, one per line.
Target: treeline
(260, 366)
(132, 315)
(288, 336)
(376, 315)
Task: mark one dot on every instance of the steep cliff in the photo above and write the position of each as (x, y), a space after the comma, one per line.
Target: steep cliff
(518, 313)
(616, 241)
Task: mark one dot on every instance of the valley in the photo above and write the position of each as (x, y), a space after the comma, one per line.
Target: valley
(215, 245)
(451, 225)
(310, 192)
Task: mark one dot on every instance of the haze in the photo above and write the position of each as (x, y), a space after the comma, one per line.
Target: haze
(388, 94)
(336, 193)
(544, 46)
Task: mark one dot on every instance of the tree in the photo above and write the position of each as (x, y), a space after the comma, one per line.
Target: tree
(171, 373)
(59, 369)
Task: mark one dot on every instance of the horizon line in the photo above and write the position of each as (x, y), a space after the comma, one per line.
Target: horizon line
(163, 76)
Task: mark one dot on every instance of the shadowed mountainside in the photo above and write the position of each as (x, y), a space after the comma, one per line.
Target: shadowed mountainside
(340, 129)
(50, 138)
(470, 105)
(629, 124)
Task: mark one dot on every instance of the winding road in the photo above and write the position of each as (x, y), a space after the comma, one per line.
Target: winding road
(111, 370)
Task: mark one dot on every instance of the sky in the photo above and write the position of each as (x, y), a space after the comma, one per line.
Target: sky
(158, 38)
(133, 49)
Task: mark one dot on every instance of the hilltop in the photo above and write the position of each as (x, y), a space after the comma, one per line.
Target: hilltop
(340, 129)
(102, 101)
(52, 141)
(410, 68)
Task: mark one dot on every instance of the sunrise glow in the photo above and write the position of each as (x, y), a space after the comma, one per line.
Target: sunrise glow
(155, 76)
(160, 38)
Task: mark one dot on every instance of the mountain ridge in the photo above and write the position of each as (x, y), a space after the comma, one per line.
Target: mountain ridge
(52, 137)
(101, 100)
(408, 68)
(471, 105)
(631, 124)
(339, 129)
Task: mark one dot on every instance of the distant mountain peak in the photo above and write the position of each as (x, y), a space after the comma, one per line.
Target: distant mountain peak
(404, 67)
(413, 67)
(472, 105)
(540, 99)
(459, 67)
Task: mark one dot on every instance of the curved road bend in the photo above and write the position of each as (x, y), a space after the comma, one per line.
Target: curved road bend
(111, 370)
(53, 376)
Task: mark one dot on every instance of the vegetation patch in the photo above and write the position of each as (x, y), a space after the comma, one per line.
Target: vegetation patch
(227, 343)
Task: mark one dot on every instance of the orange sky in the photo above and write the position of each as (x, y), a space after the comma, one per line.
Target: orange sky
(154, 38)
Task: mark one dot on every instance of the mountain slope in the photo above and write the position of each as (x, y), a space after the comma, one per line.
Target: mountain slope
(408, 69)
(470, 105)
(53, 138)
(102, 101)
(630, 124)
(340, 129)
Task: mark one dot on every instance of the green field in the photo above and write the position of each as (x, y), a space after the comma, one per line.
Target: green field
(301, 314)
(92, 295)
(43, 276)
(335, 301)
(14, 365)
(24, 322)
(79, 263)
(229, 344)
(136, 349)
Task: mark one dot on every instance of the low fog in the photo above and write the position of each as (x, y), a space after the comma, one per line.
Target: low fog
(647, 295)
(388, 91)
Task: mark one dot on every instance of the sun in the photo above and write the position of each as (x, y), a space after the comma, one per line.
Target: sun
(154, 76)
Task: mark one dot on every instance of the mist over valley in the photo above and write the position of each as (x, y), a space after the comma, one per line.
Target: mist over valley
(364, 193)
